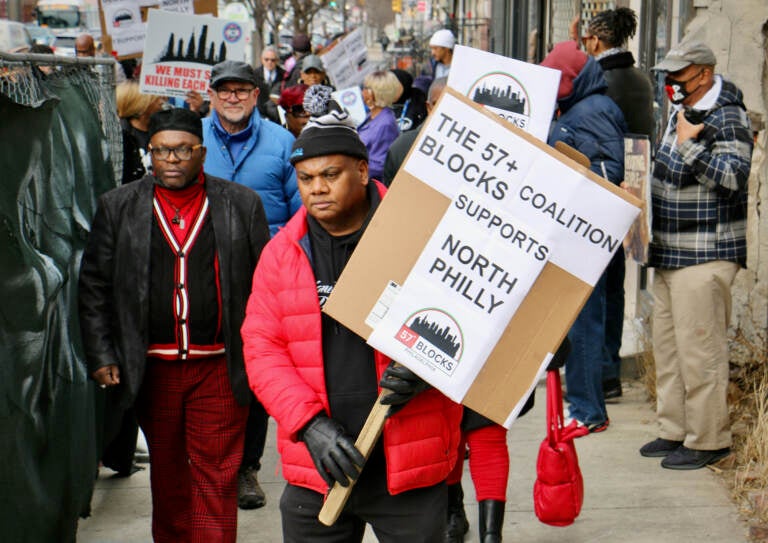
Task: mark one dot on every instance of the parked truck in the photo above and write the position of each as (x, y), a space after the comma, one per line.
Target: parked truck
(67, 15)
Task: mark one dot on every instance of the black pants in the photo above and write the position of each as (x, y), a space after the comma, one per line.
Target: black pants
(416, 516)
(120, 433)
(255, 435)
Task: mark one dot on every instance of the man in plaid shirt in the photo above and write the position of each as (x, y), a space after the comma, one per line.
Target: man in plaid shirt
(699, 197)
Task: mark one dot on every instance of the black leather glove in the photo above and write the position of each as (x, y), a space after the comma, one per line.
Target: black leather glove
(561, 355)
(403, 383)
(332, 450)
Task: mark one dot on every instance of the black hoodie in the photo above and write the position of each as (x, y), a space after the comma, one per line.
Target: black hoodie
(350, 373)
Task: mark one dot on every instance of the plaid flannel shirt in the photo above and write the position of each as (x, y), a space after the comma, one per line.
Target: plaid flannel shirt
(699, 189)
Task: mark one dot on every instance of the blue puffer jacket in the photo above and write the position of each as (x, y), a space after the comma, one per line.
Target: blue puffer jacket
(262, 165)
(592, 123)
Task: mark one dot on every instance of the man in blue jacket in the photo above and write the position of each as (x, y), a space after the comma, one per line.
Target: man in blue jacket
(252, 151)
(244, 148)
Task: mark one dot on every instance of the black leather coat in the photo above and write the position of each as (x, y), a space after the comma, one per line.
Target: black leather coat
(114, 277)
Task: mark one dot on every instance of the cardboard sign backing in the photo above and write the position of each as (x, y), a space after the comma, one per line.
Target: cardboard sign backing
(393, 242)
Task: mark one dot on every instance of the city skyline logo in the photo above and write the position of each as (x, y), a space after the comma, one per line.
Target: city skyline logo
(434, 338)
(504, 95)
(195, 49)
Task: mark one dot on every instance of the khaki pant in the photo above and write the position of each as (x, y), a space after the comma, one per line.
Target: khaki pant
(692, 309)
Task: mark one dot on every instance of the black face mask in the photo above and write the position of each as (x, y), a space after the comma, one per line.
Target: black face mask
(676, 89)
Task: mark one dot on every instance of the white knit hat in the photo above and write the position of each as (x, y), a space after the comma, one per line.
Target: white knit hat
(442, 38)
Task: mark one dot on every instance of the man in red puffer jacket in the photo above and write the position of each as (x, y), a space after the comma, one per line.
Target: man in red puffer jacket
(319, 380)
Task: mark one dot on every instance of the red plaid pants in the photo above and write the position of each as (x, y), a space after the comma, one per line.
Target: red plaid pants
(194, 430)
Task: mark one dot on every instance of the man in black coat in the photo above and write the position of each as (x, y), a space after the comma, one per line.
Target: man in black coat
(269, 79)
(163, 283)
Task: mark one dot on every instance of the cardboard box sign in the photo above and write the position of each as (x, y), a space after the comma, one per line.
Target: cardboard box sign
(480, 257)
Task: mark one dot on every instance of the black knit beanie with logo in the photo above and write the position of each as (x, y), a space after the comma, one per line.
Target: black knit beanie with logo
(329, 131)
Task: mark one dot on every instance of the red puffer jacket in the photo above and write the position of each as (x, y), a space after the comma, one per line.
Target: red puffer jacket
(284, 362)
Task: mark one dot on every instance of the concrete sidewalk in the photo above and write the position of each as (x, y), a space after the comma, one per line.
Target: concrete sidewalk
(628, 498)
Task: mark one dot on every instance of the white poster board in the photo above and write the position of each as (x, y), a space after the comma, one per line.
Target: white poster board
(122, 19)
(514, 207)
(347, 63)
(178, 6)
(180, 50)
(522, 93)
(351, 99)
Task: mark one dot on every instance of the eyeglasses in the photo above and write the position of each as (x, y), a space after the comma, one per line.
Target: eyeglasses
(241, 94)
(297, 111)
(183, 152)
(267, 59)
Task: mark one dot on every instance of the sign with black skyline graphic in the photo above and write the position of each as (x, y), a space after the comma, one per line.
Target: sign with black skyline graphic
(180, 50)
(523, 94)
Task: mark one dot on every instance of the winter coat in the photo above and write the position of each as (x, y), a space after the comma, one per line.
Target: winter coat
(699, 188)
(377, 134)
(632, 91)
(114, 277)
(284, 361)
(262, 165)
(267, 108)
(592, 123)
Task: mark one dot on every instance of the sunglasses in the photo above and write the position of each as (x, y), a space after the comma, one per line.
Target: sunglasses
(297, 111)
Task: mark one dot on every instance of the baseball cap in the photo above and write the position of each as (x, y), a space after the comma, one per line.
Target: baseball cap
(312, 62)
(442, 38)
(231, 70)
(685, 54)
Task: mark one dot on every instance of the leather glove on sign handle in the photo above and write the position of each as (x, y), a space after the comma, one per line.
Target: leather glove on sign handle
(403, 383)
(332, 450)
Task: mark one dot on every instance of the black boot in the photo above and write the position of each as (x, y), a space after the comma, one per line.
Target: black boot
(491, 520)
(458, 525)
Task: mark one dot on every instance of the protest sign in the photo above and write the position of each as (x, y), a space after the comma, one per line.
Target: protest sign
(181, 49)
(179, 6)
(480, 257)
(637, 170)
(123, 24)
(347, 63)
(351, 99)
(522, 93)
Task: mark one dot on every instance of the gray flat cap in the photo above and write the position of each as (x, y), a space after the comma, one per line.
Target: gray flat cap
(685, 54)
(231, 70)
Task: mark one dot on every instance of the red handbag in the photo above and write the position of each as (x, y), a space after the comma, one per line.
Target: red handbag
(558, 492)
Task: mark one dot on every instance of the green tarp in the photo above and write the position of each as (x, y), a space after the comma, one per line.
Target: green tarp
(54, 162)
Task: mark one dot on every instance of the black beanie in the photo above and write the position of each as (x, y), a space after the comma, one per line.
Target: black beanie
(329, 131)
(176, 119)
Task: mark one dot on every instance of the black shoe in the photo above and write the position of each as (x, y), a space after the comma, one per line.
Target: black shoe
(659, 447)
(457, 525)
(685, 458)
(612, 389)
(249, 492)
(129, 471)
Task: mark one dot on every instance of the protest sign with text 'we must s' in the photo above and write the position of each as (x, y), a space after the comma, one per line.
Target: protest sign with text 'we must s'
(480, 257)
